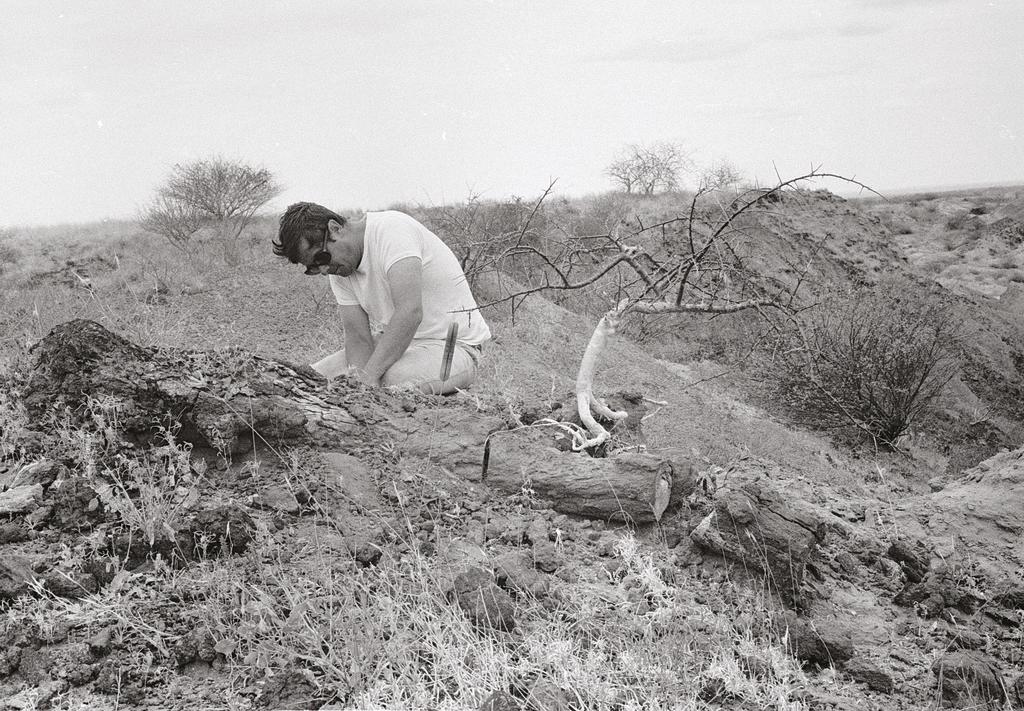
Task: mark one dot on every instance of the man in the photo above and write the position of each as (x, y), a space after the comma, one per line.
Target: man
(399, 288)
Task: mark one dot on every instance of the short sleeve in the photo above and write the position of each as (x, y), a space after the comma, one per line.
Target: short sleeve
(342, 292)
(400, 238)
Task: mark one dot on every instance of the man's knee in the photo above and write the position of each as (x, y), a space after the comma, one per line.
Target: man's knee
(332, 366)
(401, 374)
(420, 371)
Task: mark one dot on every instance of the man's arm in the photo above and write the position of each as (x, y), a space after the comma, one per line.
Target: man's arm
(358, 341)
(405, 280)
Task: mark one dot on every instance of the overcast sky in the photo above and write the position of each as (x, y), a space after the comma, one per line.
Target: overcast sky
(362, 104)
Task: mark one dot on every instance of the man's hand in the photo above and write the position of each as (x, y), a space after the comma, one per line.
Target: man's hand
(358, 341)
(357, 373)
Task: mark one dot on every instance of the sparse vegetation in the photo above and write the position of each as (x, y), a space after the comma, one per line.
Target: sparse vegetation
(634, 618)
(647, 169)
(872, 359)
(960, 221)
(218, 193)
(721, 175)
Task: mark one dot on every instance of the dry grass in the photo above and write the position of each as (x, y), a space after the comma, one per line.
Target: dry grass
(389, 636)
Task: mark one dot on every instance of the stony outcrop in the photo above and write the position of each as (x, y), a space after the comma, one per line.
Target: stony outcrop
(221, 401)
(967, 678)
(754, 525)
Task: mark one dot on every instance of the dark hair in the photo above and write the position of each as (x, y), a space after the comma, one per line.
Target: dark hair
(302, 224)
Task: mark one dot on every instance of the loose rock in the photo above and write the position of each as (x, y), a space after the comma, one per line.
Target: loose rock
(15, 575)
(869, 672)
(21, 499)
(485, 604)
(43, 472)
(278, 498)
(760, 528)
(1017, 692)
(73, 585)
(290, 689)
(819, 645)
(226, 529)
(967, 677)
(75, 505)
(913, 558)
(13, 532)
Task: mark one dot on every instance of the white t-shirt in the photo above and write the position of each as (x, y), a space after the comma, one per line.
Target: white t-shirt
(391, 236)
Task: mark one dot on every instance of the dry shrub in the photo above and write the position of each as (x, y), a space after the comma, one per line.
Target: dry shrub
(217, 193)
(871, 360)
(963, 221)
(9, 252)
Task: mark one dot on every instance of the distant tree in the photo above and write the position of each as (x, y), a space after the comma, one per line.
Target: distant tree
(215, 192)
(624, 170)
(649, 168)
(721, 174)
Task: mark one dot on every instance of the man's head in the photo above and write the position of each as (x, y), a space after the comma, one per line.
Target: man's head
(312, 235)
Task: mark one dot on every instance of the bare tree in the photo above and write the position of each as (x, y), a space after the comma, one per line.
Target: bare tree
(710, 264)
(720, 175)
(174, 219)
(222, 193)
(624, 170)
(649, 168)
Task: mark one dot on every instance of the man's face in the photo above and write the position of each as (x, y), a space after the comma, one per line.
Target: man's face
(316, 257)
(332, 255)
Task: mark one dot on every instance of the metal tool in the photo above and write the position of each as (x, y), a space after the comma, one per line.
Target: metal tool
(449, 351)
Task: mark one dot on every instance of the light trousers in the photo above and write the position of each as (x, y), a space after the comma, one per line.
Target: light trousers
(419, 366)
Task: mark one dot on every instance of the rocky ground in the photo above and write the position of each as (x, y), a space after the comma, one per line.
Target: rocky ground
(280, 543)
(182, 572)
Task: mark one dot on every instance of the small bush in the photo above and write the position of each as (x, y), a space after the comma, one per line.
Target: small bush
(480, 232)
(871, 360)
(217, 193)
(9, 253)
(959, 221)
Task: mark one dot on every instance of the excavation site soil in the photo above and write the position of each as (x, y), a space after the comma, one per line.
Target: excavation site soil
(191, 517)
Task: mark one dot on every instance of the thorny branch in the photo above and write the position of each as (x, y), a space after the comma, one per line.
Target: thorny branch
(708, 261)
(702, 256)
